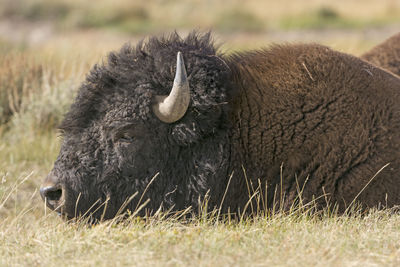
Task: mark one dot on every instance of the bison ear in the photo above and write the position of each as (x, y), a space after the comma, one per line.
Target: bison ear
(173, 107)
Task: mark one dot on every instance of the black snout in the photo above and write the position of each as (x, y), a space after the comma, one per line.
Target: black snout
(52, 195)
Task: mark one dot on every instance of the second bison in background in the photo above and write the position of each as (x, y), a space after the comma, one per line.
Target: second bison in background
(386, 55)
(289, 120)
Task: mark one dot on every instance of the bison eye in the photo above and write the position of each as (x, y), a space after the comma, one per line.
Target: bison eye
(126, 137)
(128, 134)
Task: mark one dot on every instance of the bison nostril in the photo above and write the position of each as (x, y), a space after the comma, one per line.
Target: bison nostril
(51, 194)
(54, 195)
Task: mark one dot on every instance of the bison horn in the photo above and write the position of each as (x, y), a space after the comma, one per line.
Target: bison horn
(174, 106)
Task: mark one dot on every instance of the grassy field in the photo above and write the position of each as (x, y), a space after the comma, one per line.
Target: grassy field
(47, 47)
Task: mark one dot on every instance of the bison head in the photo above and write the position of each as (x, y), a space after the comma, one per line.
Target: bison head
(128, 136)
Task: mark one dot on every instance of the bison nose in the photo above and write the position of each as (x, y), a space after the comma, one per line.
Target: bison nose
(52, 195)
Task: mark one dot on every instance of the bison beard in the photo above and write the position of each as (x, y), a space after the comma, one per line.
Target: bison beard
(287, 117)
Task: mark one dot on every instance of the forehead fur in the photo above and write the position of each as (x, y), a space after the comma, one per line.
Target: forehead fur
(130, 78)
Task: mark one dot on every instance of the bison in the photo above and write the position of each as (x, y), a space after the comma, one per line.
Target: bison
(295, 121)
(386, 55)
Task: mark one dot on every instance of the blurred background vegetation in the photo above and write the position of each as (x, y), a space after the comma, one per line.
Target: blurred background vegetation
(36, 20)
(222, 15)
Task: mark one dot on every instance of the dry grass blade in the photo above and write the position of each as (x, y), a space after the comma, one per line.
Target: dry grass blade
(4, 199)
(365, 186)
(248, 187)
(76, 204)
(126, 203)
(89, 211)
(247, 204)
(145, 190)
(138, 209)
(223, 197)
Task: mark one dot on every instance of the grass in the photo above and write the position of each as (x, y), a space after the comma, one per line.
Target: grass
(37, 85)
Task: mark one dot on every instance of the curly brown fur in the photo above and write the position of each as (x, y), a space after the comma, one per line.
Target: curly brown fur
(318, 113)
(386, 55)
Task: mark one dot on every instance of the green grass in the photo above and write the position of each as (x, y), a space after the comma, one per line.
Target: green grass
(329, 18)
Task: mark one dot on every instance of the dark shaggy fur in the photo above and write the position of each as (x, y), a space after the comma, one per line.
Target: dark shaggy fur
(386, 55)
(317, 113)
